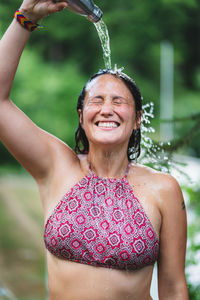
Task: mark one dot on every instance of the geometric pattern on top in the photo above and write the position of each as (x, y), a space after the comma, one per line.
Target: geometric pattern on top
(100, 222)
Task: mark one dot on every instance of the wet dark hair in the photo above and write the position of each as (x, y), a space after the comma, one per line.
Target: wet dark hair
(133, 150)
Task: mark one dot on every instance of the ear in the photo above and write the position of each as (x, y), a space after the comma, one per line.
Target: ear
(138, 119)
(80, 116)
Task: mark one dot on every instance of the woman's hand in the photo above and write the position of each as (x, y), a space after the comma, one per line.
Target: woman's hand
(35, 10)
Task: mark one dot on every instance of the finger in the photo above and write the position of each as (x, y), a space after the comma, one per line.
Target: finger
(61, 5)
(57, 7)
(58, 1)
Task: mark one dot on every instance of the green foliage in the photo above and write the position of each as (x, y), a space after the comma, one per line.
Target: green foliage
(50, 98)
(8, 240)
(194, 292)
(193, 248)
(136, 29)
(62, 55)
(20, 237)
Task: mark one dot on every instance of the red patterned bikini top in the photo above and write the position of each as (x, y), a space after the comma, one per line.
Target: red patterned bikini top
(100, 222)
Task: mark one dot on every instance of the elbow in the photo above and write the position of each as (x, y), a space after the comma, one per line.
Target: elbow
(174, 291)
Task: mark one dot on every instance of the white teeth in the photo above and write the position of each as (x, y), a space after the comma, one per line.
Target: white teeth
(107, 124)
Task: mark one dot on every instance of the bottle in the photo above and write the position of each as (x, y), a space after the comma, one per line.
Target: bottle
(85, 8)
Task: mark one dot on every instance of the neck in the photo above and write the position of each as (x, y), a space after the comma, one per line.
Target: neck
(107, 162)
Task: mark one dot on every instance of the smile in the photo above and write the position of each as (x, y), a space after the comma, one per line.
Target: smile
(108, 124)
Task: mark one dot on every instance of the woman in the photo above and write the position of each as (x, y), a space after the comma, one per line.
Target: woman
(115, 218)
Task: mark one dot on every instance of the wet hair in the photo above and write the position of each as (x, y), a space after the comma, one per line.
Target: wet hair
(133, 150)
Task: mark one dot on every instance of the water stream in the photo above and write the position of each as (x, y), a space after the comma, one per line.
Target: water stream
(102, 31)
(153, 154)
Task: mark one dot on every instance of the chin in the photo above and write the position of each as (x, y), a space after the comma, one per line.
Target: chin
(108, 142)
(109, 139)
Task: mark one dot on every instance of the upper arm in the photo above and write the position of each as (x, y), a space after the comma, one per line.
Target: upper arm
(173, 237)
(30, 145)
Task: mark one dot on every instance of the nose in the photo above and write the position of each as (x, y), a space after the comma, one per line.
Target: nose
(107, 108)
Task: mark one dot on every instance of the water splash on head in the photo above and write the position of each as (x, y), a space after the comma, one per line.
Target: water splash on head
(153, 153)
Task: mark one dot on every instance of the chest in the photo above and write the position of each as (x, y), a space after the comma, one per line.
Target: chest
(101, 222)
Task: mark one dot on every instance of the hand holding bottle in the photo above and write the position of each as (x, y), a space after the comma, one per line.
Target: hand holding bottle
(85, 8)
(35, 10)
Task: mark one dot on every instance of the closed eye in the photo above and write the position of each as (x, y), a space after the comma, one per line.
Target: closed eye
(96, 100)
(119, 100)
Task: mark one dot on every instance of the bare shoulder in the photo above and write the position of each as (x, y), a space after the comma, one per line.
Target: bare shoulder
(164, 185)
(164, 180)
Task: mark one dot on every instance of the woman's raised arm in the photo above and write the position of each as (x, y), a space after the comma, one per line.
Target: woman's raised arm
(30, 145)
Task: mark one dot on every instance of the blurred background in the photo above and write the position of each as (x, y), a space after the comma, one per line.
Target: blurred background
(158, 44)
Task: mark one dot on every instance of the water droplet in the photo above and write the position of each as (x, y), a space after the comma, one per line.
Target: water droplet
(152, 153)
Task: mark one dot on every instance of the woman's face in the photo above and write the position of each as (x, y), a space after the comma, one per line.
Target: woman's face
(108, 115)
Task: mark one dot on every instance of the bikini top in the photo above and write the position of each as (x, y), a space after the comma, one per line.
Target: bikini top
(100, 222)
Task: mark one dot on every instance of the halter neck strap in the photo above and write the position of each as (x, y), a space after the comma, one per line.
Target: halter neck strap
(127, 169)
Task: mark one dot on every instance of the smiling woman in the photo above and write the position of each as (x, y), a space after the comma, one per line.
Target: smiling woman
(107, 219)
(128, 97)
(101, 109)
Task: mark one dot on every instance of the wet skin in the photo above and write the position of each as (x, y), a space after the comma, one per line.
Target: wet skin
(108, 119)
(108, 101)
